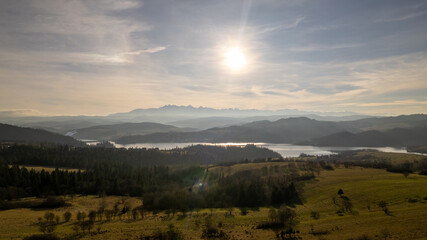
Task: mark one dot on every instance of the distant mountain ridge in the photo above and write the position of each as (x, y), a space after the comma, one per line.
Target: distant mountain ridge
(9, 133)
(180, 116)
(376, 131)
(280, 131)
(290, 130)
(177, 113)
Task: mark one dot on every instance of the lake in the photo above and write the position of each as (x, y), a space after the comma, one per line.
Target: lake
(286, 150)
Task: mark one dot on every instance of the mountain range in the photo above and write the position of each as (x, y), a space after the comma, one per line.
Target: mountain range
(180, 116)
(190, 124)
(302, 130)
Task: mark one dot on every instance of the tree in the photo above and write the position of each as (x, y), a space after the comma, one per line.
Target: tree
(57, 219)
(49, 216)
(67, 216)
(135, 214)
(287, 217)
(81, 216)
(48, 225)
(92, 216)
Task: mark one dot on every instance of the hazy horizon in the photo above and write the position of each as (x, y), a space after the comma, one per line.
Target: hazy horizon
(102, 57)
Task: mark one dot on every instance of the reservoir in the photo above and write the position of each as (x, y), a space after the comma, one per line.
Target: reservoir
(286, 150)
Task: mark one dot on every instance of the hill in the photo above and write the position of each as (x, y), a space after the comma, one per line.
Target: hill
(281, 131)
(211, 122)
(109, 132)
(387, 123)
(10, 133)
(397, 137)
(300, 129)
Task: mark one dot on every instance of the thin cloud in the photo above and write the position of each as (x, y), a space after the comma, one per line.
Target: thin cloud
(148, 50)
(405, 17)
(393, 103)
(102, 55)
(318, 47)
(282, 26)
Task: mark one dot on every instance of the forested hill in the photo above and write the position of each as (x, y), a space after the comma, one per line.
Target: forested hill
(282, 131)
(113, 131)
(10, 133)
(90, 158)
(397, 137)
(290, 130)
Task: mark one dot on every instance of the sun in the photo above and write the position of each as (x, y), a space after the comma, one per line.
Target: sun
(235, 59)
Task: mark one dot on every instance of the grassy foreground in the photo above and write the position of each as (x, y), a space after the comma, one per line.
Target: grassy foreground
(406, 200)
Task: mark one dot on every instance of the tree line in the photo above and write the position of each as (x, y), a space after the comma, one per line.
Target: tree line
(175, 188)
(90, 157)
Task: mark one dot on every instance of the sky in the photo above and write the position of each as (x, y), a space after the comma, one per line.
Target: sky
(71, 57)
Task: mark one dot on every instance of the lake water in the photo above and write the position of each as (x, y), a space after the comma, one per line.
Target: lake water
(286, 150)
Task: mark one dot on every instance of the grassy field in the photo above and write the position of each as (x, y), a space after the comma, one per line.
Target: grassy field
(406, 199)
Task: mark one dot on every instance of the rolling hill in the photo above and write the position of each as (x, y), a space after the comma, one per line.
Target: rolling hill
(281, 131)
(109, 132)
(397, 137)
(363, 132)
(10, 133)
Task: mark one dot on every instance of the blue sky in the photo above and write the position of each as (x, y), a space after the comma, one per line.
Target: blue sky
(99, 57)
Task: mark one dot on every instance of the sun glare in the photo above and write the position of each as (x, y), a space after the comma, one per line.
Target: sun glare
(235, 59)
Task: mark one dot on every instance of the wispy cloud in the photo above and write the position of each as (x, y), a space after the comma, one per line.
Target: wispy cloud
(148, 50)
(115, 55)
(279, 27)
(393, 103)
(403, 17)
(80, 31)
(318, 47)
